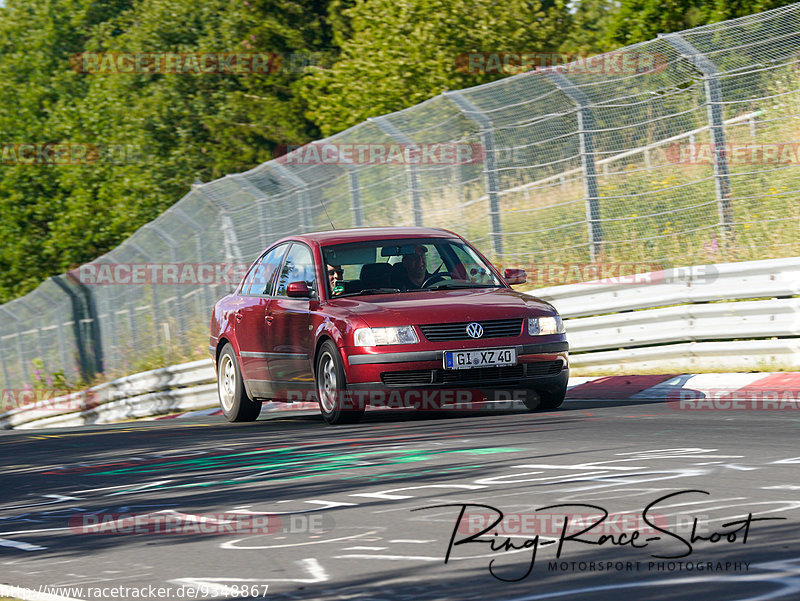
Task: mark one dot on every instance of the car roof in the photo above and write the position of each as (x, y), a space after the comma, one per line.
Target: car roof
(371, 233)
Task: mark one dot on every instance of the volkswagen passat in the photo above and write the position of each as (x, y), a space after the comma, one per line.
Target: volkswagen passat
(352, 317)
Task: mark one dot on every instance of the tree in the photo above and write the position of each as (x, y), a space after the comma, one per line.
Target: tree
(640, 20)
(401, 52)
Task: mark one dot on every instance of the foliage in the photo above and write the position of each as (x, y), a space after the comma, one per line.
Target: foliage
(384, 55)
(402, 52)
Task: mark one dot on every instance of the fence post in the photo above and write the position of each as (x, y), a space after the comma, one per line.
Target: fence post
(15, 321)
(412, 174)
(6, 379)
(355, 195)
(95, 346)
(154, 290)
(181, 303)
(474, 114)
(713, 90)
(38, 321)
(586, 141)
(264, 228)
(77, 316)
(302, 188)
(201, 256)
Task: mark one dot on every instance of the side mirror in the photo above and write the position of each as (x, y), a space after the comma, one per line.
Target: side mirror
(298, 290)
(515, 276)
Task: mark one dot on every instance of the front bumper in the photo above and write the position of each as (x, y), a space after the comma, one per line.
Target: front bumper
(539, 366)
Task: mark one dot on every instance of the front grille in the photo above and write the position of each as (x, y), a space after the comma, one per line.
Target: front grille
(479, 374)
(544, 368)
(475, 375)
(406, 378)
(498, 328)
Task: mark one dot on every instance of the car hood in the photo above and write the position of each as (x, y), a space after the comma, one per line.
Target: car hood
(442, 306)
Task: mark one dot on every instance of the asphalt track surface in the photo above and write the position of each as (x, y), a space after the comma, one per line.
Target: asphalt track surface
(350, 510)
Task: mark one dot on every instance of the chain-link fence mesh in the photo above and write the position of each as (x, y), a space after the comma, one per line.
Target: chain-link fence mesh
(678, 151)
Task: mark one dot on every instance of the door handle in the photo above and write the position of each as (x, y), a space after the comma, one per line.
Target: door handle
(238, 316)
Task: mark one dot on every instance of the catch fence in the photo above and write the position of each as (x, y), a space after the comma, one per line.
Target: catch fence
(682, 150)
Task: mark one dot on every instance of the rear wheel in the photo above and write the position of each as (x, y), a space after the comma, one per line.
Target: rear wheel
(236, 405)
(542, 399)
(335, 404)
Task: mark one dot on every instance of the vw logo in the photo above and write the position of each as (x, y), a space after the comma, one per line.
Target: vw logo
(475, 330)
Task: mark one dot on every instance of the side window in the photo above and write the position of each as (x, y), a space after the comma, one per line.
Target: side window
(298, 267)
(260, 277)
(433, 260)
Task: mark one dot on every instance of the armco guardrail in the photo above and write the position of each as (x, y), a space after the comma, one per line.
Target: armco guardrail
(680, 150)
(726, 316)
(160, 391)
(676, 319)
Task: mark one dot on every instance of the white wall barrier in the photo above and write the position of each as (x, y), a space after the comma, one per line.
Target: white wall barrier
(724, 317)
(160, 391)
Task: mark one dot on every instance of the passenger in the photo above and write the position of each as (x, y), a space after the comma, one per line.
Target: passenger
(335, 275)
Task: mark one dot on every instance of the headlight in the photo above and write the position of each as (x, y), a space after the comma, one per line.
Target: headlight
(541, 326)
(384, 336)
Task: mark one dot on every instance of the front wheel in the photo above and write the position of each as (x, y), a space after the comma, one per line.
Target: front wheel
(542, 399)
(236, 405)
(335, 403)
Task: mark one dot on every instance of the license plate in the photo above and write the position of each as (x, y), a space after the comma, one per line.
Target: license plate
(492, 357)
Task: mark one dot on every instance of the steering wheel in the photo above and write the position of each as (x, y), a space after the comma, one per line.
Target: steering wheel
(436, 277)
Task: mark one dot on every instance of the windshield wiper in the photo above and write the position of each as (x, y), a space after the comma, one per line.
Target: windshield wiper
(371, 291)
(453, 285)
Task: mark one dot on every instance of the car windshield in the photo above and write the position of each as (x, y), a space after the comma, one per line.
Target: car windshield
(404, 265)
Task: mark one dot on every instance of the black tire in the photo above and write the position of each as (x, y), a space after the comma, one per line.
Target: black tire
(236, 405)
(543, 399)
(335, 405)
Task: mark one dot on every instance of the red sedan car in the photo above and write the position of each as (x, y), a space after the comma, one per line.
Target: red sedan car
(353, 317)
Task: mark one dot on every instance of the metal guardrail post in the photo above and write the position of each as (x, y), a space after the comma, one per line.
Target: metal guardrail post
(95, 347)
(713, 90)
(14, 320)
(84, 365)
(264, 228)
(198, 230)
(303, 208)
(586, 141)
(178, 287)
(486, 126)
(6, 379)
(228, 230)
(355, 196)
(154, 289)
(38, 321)
(412, 173)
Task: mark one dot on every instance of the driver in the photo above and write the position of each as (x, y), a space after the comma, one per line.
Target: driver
(414, 269)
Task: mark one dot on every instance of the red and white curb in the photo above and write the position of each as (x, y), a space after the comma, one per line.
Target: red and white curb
(636, 387)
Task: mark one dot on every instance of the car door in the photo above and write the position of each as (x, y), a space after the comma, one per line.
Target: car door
(250, 325)
(290, 339)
